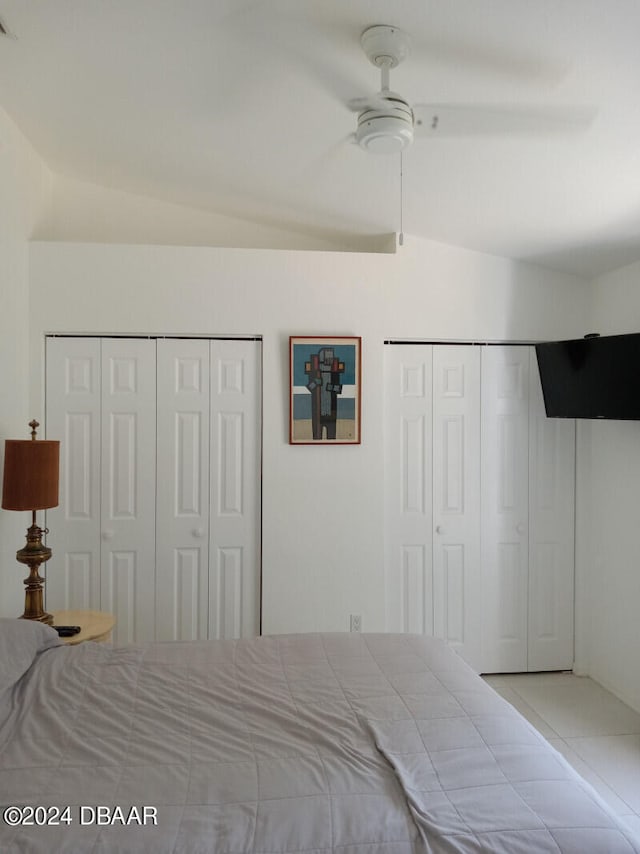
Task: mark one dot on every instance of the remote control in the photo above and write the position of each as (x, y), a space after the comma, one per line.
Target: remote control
(67, 631)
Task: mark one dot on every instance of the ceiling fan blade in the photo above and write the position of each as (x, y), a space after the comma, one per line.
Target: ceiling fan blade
(490, 59)
(317, 167)
(448, 120)
(261, 29)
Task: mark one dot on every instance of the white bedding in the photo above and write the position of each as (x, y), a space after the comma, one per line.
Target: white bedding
(358, 744)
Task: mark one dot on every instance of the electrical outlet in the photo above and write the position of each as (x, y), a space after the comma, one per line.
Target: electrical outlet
(356, 623)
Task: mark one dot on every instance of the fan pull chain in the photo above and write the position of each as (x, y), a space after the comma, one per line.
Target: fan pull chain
(401, 235)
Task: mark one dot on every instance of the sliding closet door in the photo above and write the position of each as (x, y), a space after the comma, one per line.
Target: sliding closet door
(234, 537)
(551, 536)
(101, 402)
(479, 488)
(182, 511)
(208, 510)
(432, 470)
(159, 517)
(408, 488)
(528, 519)
(73, 416)
(456, 499)
(505, 508)
(128, 478)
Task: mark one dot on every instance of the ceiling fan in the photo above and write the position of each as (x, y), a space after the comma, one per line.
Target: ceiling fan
(387, 123)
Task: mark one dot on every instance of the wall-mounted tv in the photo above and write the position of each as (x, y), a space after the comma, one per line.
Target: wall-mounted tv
(591, 377)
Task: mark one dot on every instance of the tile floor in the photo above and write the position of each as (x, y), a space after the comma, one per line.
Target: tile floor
(597, 733)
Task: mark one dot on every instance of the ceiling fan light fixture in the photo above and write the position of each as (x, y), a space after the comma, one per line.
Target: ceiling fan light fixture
(385, 132)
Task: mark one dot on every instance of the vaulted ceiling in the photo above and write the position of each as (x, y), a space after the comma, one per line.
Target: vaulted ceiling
(241, 108)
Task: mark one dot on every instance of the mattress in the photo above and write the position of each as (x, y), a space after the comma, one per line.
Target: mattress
(358, 744)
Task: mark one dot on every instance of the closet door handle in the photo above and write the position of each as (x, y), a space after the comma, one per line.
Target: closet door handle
(439, 529)
(520, 528)
(198, 532)
(108, 534)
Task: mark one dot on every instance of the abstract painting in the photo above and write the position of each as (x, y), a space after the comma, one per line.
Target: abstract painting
(325, 390)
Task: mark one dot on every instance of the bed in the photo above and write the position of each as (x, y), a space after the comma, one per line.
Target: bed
(358, 744)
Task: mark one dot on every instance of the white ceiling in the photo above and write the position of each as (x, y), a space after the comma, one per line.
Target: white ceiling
(239, 107)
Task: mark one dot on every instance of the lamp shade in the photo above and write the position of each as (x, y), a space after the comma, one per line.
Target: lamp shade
(30, 474)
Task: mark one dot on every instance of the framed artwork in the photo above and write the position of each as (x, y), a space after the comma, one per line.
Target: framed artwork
(324, 390)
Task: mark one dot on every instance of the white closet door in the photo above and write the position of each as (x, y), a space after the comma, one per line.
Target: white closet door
(234, 541)
(551, 537)
(129, 486)
(182, 511)
(456, 499)
(73, 416)
(505, 508)
(408, 488)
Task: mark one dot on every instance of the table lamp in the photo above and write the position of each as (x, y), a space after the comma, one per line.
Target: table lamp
(31, 483)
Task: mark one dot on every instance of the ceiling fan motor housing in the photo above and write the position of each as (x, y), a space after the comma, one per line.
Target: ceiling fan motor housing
(385, 45)
(385, 128)
(388, 130)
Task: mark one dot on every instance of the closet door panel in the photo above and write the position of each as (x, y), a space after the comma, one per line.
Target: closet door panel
(505, 508)
(479, 492)
(408, 488)
(182, 511)
(456, 498)
(551, 539)
(128, 486)
(234, 535)
(180, 561)
(73, 407)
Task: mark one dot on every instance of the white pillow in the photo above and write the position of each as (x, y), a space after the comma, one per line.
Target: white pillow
(20, 643)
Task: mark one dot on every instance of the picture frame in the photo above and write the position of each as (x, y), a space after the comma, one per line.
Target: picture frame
(325, 390)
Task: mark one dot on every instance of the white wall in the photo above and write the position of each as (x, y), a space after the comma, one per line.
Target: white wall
(81, 211)
(608, 535)
(323, 506)
(24, 196)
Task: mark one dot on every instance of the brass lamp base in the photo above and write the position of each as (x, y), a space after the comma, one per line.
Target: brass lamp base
(34, 554)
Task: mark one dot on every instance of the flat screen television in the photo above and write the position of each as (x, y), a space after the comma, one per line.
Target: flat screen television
(592, 377)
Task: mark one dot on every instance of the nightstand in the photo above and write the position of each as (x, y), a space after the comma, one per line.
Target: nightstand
(95, 625)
